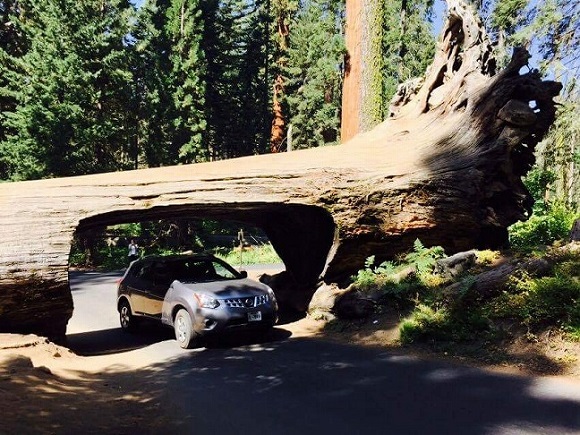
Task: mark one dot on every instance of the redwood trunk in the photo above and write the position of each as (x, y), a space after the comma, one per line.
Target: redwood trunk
(361, 94)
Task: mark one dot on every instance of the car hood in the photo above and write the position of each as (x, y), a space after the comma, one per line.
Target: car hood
(234, 288)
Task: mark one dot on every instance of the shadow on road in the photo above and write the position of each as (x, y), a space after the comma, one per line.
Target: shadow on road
(109, 341)
(299, 386)
(246, 338)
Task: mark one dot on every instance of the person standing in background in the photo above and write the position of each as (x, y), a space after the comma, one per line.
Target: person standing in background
(133, 251)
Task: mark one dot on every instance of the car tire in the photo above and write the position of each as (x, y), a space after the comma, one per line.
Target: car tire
(126, 318)
(183, 327)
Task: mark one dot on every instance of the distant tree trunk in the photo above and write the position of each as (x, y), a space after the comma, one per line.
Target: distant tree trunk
(88, 243)
(279, 119)
(362, 88)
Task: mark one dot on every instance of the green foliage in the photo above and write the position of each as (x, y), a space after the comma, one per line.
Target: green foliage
(424, 323)
(72, 89)
(235, 44)
(152, 64)
(184, 29)
(424, 258)
(559, 153)
(535, 303)
(106, 249)
(538, 181)
(573, 332)
(254, 254)
(401, 281)
(486, 257)
(542, 229)
(542, 302)
(314, 80)
(408, 44)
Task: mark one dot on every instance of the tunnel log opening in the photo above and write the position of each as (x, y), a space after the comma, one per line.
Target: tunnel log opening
(302, 236)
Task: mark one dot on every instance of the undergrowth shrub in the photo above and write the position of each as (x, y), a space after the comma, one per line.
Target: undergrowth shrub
(551, 301)
(486, 257)
(535, 303)
(542, 228)
(401, 281)
(427, 323)
(423, 258)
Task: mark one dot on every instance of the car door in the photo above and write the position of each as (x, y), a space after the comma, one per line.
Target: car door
(156, 289)
(139, 288)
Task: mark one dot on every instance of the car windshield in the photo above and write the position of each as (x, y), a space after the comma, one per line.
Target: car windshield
(196, 270)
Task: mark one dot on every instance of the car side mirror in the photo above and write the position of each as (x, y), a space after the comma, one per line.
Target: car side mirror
(243, 274)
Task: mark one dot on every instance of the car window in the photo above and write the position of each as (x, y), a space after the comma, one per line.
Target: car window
(221, 271)
(162, 274)
(199, 270)
(135, 270)
(188, 270)
(146, 272)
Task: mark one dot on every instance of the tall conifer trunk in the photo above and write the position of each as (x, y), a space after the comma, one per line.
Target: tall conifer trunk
(362, 89)
(278, 129)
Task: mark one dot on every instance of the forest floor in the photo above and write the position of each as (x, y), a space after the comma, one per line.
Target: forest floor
(547, 354)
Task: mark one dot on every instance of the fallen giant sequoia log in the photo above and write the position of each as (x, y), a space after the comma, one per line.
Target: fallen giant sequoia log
(446, 168)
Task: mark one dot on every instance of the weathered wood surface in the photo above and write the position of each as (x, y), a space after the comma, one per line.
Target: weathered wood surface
(575, 232)
(446, 168)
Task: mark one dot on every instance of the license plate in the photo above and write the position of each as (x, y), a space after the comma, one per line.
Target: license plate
(255, 317)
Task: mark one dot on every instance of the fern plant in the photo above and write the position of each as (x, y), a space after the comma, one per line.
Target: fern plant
(424, 258)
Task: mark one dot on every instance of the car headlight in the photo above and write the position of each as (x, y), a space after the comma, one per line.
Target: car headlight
(206, 301)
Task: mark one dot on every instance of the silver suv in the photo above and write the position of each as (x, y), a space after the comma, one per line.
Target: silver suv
(197, 295)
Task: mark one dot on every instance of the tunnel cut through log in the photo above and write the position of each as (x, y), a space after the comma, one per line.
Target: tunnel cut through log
(301, 235)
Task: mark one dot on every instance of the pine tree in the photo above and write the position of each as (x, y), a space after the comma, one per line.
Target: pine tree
(408, 45)
(13, 44)
(314, 77)
(237, 95)
(507, 17)
(555, 24)
(72, 87)
(154, 141)
(185, 28)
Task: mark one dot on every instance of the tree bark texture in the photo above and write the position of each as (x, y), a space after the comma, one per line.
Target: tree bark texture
(445, 168)
(362, 87)
(575, 232)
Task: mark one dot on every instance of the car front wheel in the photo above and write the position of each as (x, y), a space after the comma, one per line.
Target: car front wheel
(183, 329)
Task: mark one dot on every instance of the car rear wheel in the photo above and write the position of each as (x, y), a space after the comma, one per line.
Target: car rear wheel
(126, 318)
(183, 329)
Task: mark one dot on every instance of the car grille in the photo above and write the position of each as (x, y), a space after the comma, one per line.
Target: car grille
(249, 302)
